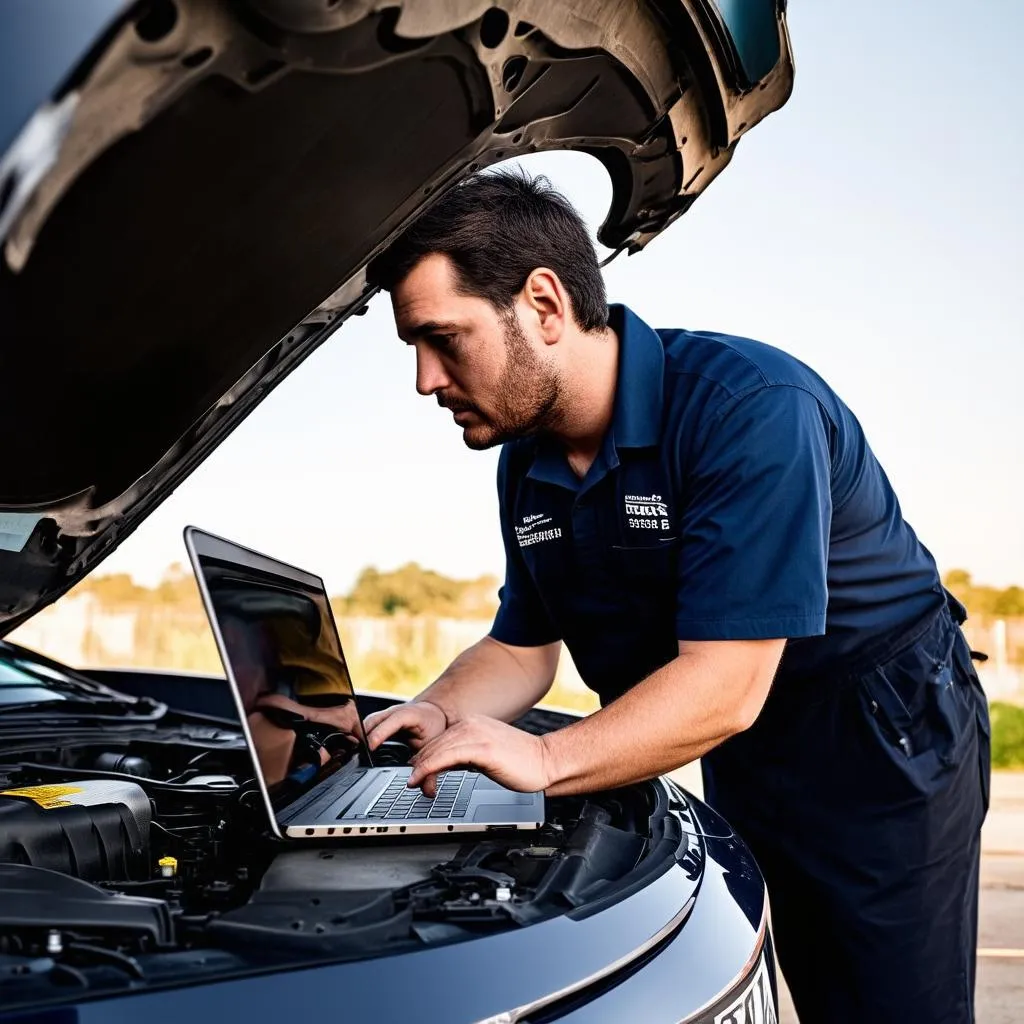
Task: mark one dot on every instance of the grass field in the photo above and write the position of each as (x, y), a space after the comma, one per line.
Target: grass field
(1007, 735)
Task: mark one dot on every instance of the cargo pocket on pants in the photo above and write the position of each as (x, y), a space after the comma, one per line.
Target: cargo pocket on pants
(922, 701)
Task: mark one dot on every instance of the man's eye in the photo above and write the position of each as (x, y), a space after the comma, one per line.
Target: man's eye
(442, 341)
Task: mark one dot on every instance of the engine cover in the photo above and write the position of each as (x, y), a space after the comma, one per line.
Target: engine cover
(94, 829)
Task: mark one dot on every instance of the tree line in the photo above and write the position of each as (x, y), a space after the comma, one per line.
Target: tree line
(414, 590)
(983, 601)
(408, 590)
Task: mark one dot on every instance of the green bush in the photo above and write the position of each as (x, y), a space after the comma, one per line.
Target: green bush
(1007, 735)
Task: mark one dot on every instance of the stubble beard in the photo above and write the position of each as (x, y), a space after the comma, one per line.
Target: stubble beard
(529, 395)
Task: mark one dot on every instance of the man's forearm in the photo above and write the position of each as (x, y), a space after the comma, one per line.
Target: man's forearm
(671, 718)
(493, 679)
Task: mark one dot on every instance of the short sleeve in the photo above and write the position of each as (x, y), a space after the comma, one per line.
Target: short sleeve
(522, 620)
(756, 514)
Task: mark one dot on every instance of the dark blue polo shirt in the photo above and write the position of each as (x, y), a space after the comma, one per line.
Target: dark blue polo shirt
(734, 497)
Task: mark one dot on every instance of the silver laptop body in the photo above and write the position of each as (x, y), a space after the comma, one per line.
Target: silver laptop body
(286, 670)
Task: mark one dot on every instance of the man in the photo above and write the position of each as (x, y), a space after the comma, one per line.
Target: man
(701, 521)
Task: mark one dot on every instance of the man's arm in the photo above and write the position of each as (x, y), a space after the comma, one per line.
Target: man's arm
(494, 679)
(491, 678)
(711, 691)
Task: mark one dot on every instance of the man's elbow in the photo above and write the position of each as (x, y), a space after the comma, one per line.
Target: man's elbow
(750, 702)
(745, 714)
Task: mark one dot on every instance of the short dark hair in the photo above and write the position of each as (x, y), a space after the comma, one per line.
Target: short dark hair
(497, 227)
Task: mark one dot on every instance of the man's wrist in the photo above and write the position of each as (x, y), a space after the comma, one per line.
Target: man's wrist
(553, 760)
(448, 722)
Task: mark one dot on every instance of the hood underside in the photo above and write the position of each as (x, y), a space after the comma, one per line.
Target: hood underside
(189, 214)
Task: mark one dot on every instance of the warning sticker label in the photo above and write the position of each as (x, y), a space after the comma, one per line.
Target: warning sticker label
(45, 796)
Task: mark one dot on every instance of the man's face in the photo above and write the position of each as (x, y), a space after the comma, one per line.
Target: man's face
(495, 375)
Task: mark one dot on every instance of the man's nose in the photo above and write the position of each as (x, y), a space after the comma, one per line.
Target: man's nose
(430, 374)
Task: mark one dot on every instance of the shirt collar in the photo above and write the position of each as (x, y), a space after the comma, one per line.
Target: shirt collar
(636, 416)
(550, 466)
(640, 389)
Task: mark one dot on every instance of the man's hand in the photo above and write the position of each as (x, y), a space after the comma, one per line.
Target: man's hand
(420, 719)
(508, 755)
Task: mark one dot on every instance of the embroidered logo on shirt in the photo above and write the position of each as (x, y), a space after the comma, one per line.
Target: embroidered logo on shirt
(532, 532)
(647, 512)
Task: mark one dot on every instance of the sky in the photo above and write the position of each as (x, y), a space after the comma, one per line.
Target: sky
(873, 227)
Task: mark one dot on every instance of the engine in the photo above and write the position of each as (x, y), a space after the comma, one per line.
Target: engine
(172, 852)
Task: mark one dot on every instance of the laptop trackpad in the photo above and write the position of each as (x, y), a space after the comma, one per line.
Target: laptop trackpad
(498, 794)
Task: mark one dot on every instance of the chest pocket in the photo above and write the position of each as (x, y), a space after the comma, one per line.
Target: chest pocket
(651, 570)
(646, 557)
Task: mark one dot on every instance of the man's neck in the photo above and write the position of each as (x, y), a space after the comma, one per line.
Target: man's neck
(589, 401)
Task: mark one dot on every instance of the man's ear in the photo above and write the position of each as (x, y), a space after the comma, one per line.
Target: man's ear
(548, 303)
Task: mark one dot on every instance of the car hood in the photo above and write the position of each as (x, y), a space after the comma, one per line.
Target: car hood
(190, 196)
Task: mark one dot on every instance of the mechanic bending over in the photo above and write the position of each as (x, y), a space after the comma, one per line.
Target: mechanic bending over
(700, 520)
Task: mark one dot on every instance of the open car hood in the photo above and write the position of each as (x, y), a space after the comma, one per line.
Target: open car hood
(189, 211)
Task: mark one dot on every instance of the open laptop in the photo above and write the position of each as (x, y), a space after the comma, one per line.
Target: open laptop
(286, 669)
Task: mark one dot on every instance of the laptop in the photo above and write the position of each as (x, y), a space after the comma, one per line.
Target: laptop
(287, 672)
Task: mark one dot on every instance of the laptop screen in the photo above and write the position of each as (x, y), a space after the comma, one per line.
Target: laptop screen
(280, 645)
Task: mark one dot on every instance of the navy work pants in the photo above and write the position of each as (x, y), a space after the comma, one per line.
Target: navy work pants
(862, 799)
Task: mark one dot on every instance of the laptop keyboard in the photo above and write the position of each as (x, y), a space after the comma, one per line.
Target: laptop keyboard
(454, 790)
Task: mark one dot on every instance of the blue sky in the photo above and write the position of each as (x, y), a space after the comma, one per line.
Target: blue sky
(873, 227)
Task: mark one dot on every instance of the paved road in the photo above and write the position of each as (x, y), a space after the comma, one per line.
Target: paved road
(1000, 990)
(1000, 993)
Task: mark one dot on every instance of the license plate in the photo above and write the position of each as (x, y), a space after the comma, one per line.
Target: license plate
(754, 1005)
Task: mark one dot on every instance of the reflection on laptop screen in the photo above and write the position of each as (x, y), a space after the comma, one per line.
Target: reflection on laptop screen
(281, 645)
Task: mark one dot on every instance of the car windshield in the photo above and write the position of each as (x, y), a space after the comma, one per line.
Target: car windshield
(20, 685)
(26, 683)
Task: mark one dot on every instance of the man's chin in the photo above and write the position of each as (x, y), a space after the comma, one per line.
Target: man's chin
(480, 437)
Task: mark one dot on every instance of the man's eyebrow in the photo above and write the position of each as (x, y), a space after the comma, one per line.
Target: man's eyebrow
(427, 328)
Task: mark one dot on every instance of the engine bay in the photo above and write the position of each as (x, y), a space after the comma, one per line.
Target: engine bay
(136, 859)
